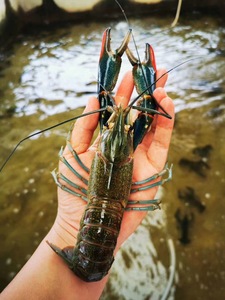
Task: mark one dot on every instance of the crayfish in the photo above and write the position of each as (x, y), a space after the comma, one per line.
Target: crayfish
(110, 176)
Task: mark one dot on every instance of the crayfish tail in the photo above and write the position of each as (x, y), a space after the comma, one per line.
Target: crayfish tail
(81, 265)
(66, 254)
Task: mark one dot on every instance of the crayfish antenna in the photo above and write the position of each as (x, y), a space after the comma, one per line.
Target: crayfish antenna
(46, 129)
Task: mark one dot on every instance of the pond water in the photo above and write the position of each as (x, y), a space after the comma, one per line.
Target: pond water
(45, 77)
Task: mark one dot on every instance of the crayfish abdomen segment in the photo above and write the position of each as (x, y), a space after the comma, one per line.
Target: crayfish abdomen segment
(100, 226)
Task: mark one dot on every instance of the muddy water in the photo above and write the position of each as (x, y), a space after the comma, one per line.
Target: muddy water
(45, 78)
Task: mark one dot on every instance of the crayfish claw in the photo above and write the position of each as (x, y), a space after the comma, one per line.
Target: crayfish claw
(108, 72)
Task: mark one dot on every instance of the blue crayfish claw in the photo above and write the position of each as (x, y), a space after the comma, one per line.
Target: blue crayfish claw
(108, 72)
(144, 74)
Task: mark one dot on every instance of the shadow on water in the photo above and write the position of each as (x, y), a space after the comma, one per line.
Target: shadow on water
(45, 76)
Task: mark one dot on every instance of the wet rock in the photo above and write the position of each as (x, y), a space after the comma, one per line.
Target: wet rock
(220, 51)
(8, 112)
(204, 151)
(189, 196)
(184, 222)
(216, 112)
(214, 91)
(200, 167)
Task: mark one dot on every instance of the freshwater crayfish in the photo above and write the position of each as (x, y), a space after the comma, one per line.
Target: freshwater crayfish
(110, 177)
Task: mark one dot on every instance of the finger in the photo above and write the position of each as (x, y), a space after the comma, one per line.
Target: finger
(167, 103)
(158, 150)
(84, 127)
(163, 75)
(159, 94)
(125, 89)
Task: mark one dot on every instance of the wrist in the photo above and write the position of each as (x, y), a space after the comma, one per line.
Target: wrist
(62, 234)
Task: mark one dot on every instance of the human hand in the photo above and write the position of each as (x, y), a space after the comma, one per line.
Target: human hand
(149, 158)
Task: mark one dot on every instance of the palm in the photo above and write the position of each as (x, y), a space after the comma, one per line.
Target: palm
(149, 158)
